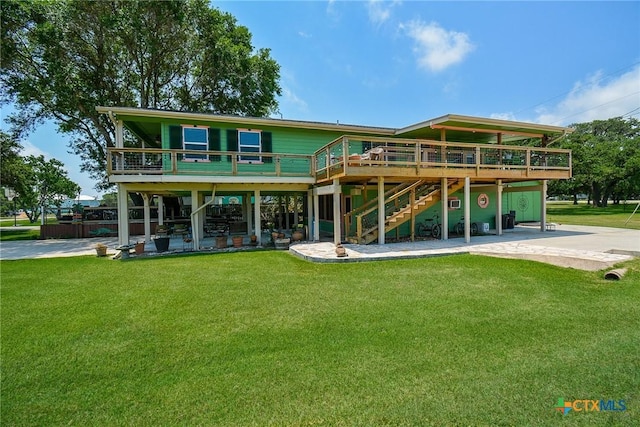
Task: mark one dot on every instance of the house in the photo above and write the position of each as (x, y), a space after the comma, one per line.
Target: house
(351, 181)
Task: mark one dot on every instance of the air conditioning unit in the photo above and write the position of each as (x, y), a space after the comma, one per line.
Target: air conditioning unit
(454, 204)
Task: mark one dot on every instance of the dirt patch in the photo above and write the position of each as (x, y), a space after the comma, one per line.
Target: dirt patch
(567, 262)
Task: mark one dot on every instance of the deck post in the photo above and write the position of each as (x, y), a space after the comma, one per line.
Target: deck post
(246, 201)
(499, 207)
(337, 232)
(444, 197)
(543, 206)
(256, 213)
(381, 216)
(467, 209)
(123, 215)
(147, 218)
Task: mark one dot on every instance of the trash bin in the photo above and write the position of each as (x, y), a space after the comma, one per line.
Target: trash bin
(508, 221)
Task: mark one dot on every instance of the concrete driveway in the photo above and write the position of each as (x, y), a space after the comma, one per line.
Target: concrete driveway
(587, 248)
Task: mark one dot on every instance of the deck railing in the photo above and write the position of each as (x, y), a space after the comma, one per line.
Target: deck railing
(352, 152)
(136, 161)
(341, 157)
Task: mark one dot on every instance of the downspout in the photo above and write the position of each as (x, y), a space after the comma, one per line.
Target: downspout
(196, 230)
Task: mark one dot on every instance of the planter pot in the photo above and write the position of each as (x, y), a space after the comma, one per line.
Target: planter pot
(274, 235)
(162, 244)
(221, 242)
(101, 251)
(282, 243)
(139, 248)
(297, 236)
(237, 241)
(253, 239)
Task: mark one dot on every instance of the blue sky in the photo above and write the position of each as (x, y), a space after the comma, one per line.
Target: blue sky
(395, 63)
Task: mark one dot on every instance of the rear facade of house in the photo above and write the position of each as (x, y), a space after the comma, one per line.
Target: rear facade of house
(361, 184)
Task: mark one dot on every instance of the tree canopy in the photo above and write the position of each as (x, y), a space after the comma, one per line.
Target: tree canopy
(62, 58)
(606, 161)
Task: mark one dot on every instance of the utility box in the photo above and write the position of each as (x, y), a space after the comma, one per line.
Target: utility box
(482, 227)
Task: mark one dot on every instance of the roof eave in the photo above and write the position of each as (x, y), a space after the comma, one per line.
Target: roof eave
(181, 115)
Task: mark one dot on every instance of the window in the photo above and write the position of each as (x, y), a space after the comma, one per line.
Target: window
(249, 141)
(195, 138)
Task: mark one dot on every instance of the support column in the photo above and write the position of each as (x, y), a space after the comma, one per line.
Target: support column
(543, 206)
(381, 216)
(499, 206)
(287, 223)
(160, 210)
(195, 220)
(123, 215)
(467, 209)
(119, 134)
(311, 218)
(147, 218)
(296, 219)
(316, 217)
(444, 197)
(247, 212)
(256, 213)
(337, 229)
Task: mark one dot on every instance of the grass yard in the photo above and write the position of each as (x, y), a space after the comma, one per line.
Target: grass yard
(583, 214)
(20, 234)
(264, 338)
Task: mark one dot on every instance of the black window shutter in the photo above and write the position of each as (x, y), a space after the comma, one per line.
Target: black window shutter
(267, 146)
(175, 139)
(214, 144)
(232, 141)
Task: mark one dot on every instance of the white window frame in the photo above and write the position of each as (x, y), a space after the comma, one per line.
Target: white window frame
(254, 157)
(194, 145)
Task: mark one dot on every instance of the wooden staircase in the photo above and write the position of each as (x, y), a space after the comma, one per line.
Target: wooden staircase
(402, 203)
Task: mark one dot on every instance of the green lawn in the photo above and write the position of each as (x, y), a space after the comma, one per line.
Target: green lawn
(264, 338)
(583, 214)
(20, 234)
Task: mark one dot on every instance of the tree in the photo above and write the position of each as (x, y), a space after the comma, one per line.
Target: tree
(606, 160)
(60, 59)
(10, 161)
(45, 183)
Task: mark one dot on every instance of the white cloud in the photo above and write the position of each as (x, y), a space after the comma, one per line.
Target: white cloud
(380, 11)
(595, 99)
(437, 48)
(292, 99)
(28, 149)
(304, 35)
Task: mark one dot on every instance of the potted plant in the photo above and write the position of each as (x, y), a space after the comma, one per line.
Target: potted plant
(101, 249)
(221, 241)
(139, 248)
(297, 234)
(237, 241)
(162, 244)
(253, 239)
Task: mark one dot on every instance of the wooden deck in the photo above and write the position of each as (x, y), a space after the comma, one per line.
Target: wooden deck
(354, 159)
(349, 159)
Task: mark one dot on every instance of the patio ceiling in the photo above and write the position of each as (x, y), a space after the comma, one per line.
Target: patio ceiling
(480, 130)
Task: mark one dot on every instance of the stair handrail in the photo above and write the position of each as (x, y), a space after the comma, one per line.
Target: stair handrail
(396, 194)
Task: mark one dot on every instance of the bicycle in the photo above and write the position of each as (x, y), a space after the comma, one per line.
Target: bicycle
(459, 227)
(430, 227)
